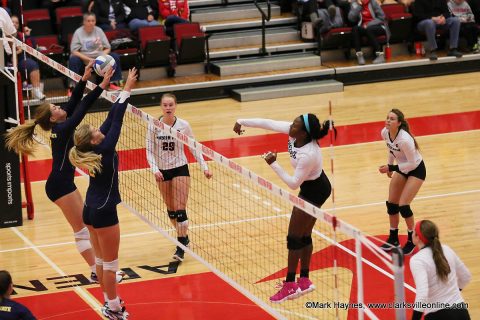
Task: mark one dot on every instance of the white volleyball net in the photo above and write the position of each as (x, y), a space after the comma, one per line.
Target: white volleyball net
(239, 222)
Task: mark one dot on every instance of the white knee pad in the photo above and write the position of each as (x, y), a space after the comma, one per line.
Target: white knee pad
(98, 261)
(111, 266)
(182, 228)
(82, 240)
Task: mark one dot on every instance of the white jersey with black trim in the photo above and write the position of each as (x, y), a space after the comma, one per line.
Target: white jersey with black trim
(306, 160)
(165, 152)
(402, 149)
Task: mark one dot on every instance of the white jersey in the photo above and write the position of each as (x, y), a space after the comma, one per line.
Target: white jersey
(402, 149)
(306, 160)
(430, 289)
(165, 152)
(8, 28)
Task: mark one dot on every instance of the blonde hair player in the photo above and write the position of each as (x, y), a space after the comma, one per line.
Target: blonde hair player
(407, 176)
(60, 186)
(439, 276)
(306, 158)
(169, 164)
(94, 150)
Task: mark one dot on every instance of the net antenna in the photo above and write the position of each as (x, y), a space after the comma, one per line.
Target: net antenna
(238, 222)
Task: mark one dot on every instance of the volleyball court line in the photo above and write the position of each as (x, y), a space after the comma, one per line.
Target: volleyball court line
(79, 290)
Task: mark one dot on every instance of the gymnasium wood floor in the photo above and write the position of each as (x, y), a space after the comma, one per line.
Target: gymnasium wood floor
(447, 110)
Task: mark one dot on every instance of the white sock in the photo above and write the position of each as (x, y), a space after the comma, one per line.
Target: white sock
(105, 297)
(93, 267)
(114, 304)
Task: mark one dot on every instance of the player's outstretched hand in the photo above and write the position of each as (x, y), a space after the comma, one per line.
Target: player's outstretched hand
(88, 70)
(131, 79)
(270, 157)
(237, 128)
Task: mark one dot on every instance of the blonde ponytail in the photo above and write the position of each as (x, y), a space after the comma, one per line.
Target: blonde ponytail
(86, 160)
(81, 155)
(20, 139)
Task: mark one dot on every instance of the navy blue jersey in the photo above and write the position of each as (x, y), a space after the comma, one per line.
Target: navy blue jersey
(11, 310)
(103, 188)
(61, 136)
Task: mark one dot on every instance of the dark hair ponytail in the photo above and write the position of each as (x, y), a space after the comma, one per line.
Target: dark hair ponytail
(5, 282)
(404, 125)
(430, 232)
(316, 130)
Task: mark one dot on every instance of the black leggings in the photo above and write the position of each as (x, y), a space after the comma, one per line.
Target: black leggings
(371, 32)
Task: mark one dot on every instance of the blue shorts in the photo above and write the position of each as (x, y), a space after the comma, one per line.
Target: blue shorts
(100, 218)
(57, 187)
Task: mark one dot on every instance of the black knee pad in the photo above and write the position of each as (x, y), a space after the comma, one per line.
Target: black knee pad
(392, 208)
(405, 211)
(295, 243)
(307, 240)
(181, 215)
(172, 214)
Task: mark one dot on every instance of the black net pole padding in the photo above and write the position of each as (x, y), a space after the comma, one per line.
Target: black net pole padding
(10, 192)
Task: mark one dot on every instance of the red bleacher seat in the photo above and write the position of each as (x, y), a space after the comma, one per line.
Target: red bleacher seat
(190, 42)
(69, 19)
(39, 21)
(128, 56)
(399, 22)
(53, 50)
(154, 45)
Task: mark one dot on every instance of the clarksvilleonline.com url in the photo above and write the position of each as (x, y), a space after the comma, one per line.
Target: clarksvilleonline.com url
(390, 305)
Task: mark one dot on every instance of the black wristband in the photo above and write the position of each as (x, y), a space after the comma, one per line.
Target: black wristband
(417, 315)
(393, 167)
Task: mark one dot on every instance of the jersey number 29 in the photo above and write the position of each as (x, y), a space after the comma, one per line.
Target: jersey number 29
(168, 146)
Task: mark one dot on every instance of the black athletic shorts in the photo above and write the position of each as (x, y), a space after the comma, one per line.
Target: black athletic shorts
(316, 191)
(100, 218)
(57, 187)
(175, 172)
(419, 172)
(448, 314)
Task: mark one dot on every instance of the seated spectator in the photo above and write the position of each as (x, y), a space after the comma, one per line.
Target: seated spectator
(110, 14)
(327, 21)
(141, 13)
(10, 309)
(172, 12)
(468, 27)
(89, 42)
(369, 20)
(27, 63)
(433, 14)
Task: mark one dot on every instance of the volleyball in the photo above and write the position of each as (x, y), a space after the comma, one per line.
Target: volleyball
(102, 63)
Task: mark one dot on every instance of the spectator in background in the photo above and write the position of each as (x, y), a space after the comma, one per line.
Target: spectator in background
(89, 42)
(327, 22)
(433, 14)
(8, 28)
(141, 13)
(369, 20)
(9, 309)
(468, 27)
(172, 12)
(27, 63)
(110, 14)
